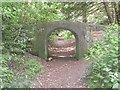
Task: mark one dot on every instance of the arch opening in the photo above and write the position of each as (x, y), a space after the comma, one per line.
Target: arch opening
(62, 43)
(43, 31)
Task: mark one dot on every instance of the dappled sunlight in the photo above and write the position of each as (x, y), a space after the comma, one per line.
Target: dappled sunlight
(59, 44)
(62, 55)
(62, 49)
(64, 46)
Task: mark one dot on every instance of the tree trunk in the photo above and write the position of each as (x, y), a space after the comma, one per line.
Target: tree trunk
(108, 12)
(117, 12)
(84, 19)
(84, 15)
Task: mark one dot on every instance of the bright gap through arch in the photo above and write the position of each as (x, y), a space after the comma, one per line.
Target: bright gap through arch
(61, 43)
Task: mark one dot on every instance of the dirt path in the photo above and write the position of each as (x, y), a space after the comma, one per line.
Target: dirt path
(62, 48)
(62, 72)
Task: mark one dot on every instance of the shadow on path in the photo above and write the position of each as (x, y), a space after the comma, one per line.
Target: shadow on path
(62, 72)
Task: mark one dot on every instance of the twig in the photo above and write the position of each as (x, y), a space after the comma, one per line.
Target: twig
(17, 35)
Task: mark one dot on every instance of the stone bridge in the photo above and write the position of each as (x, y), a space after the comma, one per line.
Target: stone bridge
(82, 32)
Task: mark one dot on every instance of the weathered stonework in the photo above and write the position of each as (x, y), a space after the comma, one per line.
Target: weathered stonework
(81, 32)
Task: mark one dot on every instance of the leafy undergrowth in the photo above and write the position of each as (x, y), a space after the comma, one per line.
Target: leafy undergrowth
(17, 71)
(68, 35)
(104, 70)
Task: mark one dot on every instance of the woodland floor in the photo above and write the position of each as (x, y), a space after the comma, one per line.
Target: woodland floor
(64, 71)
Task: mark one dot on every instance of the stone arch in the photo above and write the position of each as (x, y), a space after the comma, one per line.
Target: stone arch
(74, 33)
(43, 30)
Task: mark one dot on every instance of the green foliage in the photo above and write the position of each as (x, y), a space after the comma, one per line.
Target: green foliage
(82, 11)
(22, 83)
(53, 37)
(17, 40)
(32, 67)
(6, 75)
(104, 70)
(67, 35)
(17, 70)
(16, 15)
(64, 33)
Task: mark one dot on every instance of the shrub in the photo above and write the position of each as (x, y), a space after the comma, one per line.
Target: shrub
(17, 71)
(104, 69)
(68, 35)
